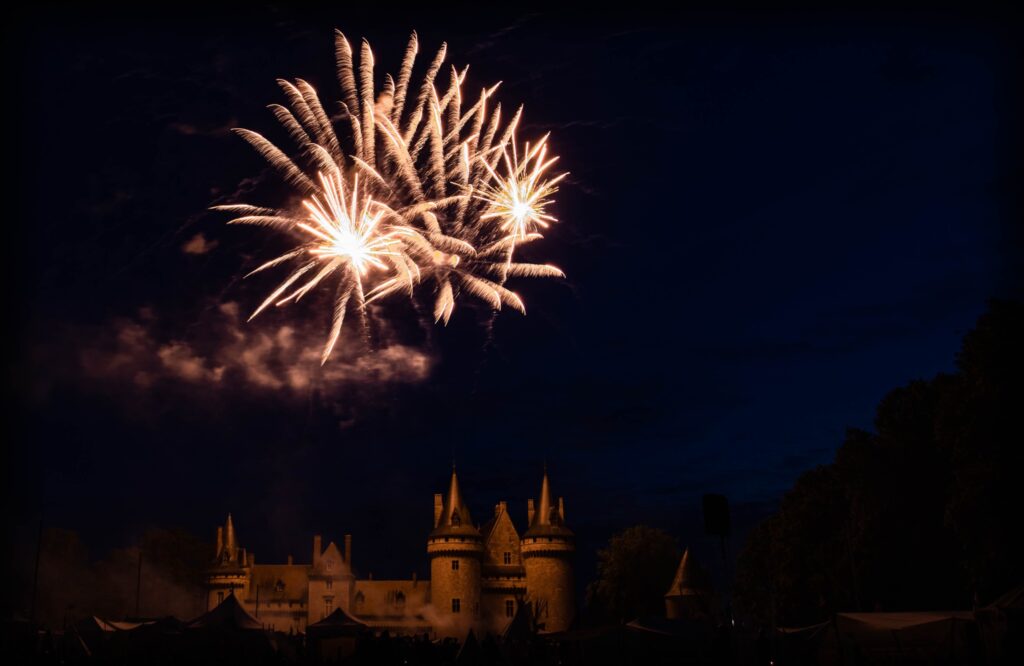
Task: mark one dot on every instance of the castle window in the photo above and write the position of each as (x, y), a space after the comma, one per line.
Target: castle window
(330, 563)
(456, 605)
(328, 605)
(507, 558)
(456, 520)
(220, 597)
(279, 586)
(455, 565)
(510, 608)
(330, 583)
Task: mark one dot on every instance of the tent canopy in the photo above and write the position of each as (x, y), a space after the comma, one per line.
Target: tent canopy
(338, 623)
(229, 615)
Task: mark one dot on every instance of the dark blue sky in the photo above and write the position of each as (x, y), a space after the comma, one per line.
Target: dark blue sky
(771, 221)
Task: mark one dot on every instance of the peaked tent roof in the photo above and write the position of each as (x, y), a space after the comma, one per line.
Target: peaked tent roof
(888, 622)
(229, 615)
(338, 622)
(469, 652)
(1012, 599)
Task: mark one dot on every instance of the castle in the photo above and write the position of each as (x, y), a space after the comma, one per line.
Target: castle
(479, 576)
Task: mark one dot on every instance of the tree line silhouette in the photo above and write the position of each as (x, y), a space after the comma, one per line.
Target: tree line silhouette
(923, 513)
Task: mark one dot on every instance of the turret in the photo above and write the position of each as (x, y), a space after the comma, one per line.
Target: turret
(455, 548)
(687, 596)
(548, 547)
(229, 572)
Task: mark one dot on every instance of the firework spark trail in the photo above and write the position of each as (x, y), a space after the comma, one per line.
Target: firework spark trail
(414, 191)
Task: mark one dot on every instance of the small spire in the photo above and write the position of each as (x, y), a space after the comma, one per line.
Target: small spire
(455, 510)
(543, 514)
(683, 583)
(230, 547)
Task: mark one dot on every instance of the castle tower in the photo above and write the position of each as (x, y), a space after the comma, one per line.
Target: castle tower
(687, 595)
(229, 572)
(547, 549)
(455, 548)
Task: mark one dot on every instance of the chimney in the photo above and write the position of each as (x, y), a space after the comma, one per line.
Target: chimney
(244, 559)
(561, 510)
(529, 512)
(348, 551)
(291, 560)
(500, 508)
(220, 541)
(438, 507)
(252, 560)
(317, 548)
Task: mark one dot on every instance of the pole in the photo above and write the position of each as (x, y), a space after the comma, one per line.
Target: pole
(35, 576)
(138, 583)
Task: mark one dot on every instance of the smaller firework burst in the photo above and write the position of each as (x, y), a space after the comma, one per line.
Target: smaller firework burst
(517, 199)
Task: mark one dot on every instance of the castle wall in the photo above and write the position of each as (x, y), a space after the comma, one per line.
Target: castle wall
(498, 606)
(399, 606)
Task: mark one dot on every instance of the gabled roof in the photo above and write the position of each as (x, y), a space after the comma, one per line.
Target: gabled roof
(500, 515)
(333, 554)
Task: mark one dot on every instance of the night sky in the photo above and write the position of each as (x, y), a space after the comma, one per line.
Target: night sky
(771, 220)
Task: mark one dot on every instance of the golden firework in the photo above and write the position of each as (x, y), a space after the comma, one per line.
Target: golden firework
(438, 195)
(519, 198)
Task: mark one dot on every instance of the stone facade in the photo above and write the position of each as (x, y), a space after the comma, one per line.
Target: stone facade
(479, 576)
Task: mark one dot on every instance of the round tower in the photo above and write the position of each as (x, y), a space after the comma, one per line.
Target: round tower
(229, 572)
(455, 548)
(548, 547)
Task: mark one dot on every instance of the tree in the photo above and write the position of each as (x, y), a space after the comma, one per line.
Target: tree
(921, 513)
(633, 573)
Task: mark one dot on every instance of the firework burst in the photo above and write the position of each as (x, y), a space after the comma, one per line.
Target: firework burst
(414, 194)
(518, 199)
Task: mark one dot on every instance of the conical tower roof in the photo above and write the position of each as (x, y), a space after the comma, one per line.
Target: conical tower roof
(230, 545)
(686, 581)
(547, 517)
(455, 518)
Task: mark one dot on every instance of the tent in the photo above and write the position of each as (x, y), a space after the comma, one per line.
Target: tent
(226, 635)
(228, 616)
(921, 636)
(336, 636)
(912, 637)
(1002, 626)
(338, 623)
